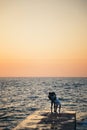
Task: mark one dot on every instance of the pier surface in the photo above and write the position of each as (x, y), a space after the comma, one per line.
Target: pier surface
(44, 120)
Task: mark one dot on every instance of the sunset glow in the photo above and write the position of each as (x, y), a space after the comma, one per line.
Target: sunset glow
(43, 38)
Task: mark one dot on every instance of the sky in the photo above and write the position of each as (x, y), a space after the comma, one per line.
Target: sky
(43, 38)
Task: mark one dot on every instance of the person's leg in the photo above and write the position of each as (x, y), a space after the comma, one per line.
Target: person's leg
(51, 106)
(59, 108)
(55, 107)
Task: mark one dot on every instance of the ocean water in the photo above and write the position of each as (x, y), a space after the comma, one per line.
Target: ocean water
(19, 97)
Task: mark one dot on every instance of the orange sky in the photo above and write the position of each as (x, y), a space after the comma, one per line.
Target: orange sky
(43, 38)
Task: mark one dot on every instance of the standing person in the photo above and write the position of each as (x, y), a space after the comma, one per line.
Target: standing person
(57, 104)
(54, 101)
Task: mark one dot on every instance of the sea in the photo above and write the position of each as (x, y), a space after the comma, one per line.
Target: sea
(21, 96)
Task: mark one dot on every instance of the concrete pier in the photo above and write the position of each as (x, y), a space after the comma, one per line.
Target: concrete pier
(44, 120)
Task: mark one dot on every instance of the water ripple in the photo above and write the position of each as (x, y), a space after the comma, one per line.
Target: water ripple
(20, 97)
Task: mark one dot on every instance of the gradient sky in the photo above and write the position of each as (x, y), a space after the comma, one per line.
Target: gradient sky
(43, 38)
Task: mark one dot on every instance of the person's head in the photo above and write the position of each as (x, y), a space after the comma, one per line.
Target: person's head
(52, 96)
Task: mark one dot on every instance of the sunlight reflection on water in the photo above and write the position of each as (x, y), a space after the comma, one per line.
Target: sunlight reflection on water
(19, 97)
